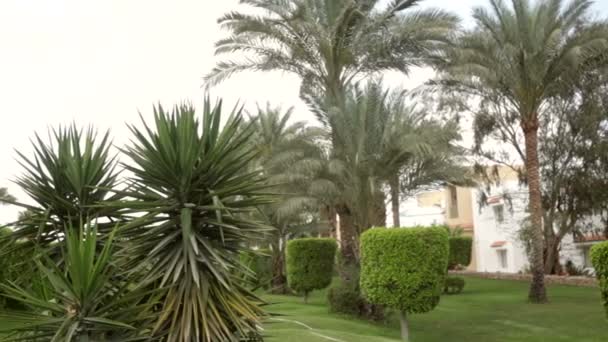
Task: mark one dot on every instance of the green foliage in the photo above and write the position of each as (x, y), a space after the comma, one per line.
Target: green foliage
(404, 268)
(310, 263)
(88, 299)
(599, 258)
(330, 43)
(260, 264)
(193, 197)
(453, 285)
(460, 251)
(67, 178)
(5, 197)
(344, 299)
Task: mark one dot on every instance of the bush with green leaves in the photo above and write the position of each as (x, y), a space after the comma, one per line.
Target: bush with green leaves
(404, 268)
(259, 263)
(599, 258)
(310, 264)
(461, 248)
(453, 285)
(344, 299)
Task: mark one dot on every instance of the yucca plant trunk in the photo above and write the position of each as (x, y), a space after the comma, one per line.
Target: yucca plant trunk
(538, 292)
(394, 185)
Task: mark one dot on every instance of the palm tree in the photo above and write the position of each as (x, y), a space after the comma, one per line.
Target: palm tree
(287, 152)
(416, 151)
(194, 198)
(522, 55)
(330, 44)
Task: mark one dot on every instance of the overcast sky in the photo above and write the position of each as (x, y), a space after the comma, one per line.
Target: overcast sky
(100, 62)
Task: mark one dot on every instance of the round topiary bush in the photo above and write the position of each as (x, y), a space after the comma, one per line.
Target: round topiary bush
(599, 258)
(460, 251)
(404, 268)
(453, 285)
(310, 264)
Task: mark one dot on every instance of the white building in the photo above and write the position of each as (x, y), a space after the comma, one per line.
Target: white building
(496, 242)
(413, 213)
(496, 227)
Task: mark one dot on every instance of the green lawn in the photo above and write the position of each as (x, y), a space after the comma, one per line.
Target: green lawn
(488, 310)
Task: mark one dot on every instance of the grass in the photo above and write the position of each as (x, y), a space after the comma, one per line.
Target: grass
(487, 310)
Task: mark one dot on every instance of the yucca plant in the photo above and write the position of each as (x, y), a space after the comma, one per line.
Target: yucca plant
(88, 299)
(191, 187)
(67, 177)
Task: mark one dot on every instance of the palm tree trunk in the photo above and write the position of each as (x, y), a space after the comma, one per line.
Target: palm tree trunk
(394, 185)
(379, 210)
(278, 283)
(538, 292)
(348, 242)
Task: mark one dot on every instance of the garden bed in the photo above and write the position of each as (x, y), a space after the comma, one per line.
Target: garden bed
(549, 279)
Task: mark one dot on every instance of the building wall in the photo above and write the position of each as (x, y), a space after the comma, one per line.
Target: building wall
(464, 217)
(412, 214)
(492, 236)
(431, 198)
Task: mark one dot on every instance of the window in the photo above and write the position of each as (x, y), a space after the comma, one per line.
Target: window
(499, 213)
(502, 258)
(587, 256)
(453, 201)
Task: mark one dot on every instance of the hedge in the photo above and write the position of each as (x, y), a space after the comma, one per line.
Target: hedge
(460, 251)
(310, 264)
(599, 258)
(453, 285)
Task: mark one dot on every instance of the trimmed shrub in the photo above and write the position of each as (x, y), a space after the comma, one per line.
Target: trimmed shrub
(310, 264)
(599, 258)
(404, 268)
(344, 299)
(453, 285)
(460, 251)
(260, 264)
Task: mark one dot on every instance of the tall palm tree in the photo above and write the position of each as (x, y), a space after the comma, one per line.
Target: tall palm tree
(417, 152)
(521, 55)
(330, 44)
(194, 198)
(287, 153)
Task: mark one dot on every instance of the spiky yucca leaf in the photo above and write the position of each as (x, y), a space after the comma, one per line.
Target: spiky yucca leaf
(192, 187)
(89, 301)
(67, 178)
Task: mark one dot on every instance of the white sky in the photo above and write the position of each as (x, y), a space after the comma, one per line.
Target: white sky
(99, 62)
